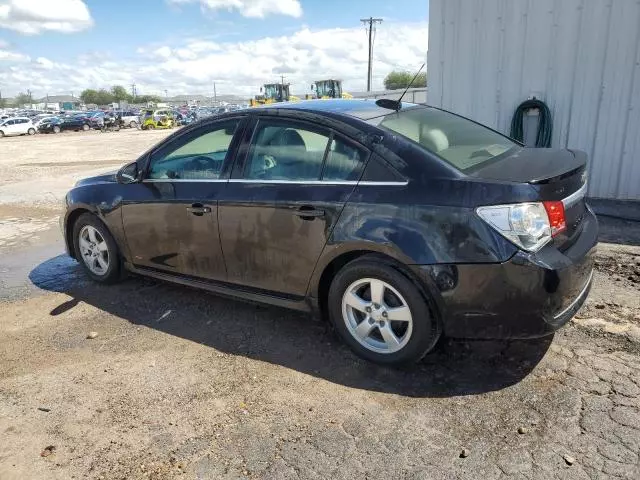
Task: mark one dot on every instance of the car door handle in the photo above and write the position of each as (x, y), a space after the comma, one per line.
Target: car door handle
(308, 213)
(198, 209)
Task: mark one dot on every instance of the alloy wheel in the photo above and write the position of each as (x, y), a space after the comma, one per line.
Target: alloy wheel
(94, 250)
(377, 315)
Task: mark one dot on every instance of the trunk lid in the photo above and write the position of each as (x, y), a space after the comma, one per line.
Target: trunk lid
(556, 175)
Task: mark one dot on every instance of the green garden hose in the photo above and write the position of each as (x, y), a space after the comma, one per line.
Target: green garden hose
(545, 123)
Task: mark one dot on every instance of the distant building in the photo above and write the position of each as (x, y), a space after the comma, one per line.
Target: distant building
(58, 102)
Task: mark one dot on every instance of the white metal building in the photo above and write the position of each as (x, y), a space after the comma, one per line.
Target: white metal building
(581, 57)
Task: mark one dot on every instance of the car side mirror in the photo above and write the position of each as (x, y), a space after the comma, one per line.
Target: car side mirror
(128, 174)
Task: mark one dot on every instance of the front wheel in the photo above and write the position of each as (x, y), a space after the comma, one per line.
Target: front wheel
(95, 249)
(381, 314)
(56, 129)
(85, 127)
(31, 131)
(133, 124)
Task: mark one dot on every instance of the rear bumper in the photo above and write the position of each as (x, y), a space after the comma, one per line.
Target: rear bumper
(531, 295)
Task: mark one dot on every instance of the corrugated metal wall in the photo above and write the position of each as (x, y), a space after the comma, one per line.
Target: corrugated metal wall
(582, 57)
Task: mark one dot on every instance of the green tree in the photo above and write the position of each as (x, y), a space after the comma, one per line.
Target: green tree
(89, 96)
(22, 99)
(140, 99)
(3, 102)
(119, 94)
(398, 79)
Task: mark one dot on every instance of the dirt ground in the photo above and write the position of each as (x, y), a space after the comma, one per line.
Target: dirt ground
(183, 384)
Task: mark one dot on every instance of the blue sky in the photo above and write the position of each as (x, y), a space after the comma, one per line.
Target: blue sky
(59, 46)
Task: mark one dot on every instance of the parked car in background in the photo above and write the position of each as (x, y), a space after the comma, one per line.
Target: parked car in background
(50, 125)
(129, 118)
(17, 126)
(156, 118)
(397, 222)
(56, 124)
(37, 120)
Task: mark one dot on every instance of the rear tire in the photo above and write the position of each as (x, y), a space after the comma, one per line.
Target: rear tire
(85, 127)
(391, 323)
(95, 249)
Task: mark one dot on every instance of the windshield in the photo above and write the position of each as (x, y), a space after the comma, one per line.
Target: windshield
(460, 142)
(328, 88)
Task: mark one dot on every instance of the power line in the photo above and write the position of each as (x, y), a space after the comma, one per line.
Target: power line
(371, 22)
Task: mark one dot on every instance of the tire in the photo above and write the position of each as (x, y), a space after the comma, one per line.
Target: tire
(56, 129)
(111, 273)
(412, 339)
(133, 124)
(1, 134)
(85, 127)
(31, 131)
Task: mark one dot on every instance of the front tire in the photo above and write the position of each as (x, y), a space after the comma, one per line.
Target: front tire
(133, 124)
(96, 250)
(380, 313)
(85, 127)
(56, 129)
(31, 131)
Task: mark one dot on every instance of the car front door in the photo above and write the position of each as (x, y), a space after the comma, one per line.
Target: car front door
(9, 127)
(282, 202)
(170, 219)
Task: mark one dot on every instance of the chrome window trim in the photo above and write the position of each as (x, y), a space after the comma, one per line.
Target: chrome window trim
(172, 180)
(575, 197)
(286, 182)
(319, 182)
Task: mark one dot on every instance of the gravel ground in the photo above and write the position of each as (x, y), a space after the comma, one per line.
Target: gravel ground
(177, 383)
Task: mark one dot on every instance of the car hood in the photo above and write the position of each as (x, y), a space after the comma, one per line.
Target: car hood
(532, 165)
(109, 177)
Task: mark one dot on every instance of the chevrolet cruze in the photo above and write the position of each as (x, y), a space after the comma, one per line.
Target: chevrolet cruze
(397, 222)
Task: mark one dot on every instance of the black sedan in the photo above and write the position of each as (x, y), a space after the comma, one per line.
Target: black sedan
(57, 125)
(397, 225)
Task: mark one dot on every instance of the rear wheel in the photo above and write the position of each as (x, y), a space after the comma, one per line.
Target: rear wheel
(96, 250)
(56, 129)
(31, 131)
(133, 124)
(380, 313)
(85, 127)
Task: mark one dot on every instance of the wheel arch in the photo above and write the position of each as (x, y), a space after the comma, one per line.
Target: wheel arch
(69, 222)
(322, 278)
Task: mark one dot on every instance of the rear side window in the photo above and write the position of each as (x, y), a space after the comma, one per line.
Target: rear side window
(460, 142)
(289, 151)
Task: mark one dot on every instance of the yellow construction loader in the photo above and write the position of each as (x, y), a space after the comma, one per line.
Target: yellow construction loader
(328, 89)
(273, 93)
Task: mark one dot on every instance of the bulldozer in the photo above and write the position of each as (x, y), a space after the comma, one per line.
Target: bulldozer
(272, 93)
(328, 89)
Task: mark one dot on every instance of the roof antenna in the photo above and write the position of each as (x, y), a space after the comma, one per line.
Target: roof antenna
(397, 104)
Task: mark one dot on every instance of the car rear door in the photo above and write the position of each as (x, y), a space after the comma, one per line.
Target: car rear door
(171, 217)
(283, 200)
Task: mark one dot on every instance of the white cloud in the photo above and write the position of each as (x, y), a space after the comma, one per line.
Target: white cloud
(31, 17)
(13, 57)
(192, 65)
(250, 8)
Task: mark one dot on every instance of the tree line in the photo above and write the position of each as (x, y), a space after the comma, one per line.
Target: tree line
(399, 79)
(117, 93)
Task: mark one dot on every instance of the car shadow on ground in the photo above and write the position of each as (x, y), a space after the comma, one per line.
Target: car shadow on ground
(290, 339)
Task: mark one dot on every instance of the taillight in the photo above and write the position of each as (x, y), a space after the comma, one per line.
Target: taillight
(555, 212)
(525, 224)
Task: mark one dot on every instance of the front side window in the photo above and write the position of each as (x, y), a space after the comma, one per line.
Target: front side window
(460, 142)
(199, 158)
(291, 152)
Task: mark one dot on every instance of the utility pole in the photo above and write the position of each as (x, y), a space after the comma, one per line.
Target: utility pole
(371, 22)
(215, 95)
(133, 91)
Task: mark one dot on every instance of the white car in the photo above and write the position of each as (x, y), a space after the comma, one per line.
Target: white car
(17, 126)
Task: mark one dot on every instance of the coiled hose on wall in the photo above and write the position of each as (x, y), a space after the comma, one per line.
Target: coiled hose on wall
(545, 123)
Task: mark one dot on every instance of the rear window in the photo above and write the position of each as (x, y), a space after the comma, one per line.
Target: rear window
(460, 142)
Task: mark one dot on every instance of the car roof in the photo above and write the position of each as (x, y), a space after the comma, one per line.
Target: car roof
(364, 109)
